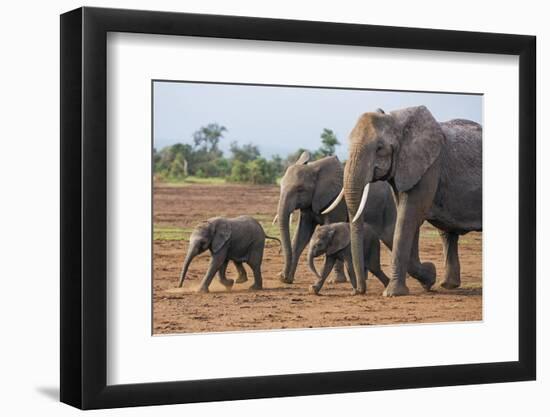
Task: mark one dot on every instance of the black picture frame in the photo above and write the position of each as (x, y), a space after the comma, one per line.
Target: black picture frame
(84, 207)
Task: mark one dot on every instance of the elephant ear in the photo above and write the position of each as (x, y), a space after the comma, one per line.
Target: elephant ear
(420, 146)
(329, 182)
(303, 159)
(339, 241)
(222, 233)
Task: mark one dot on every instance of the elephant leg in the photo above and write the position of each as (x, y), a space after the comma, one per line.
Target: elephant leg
(406, 228)
(339, 276)
(329, 264)
(227, 283)
(258, 283)
(215, 264)
(301, 238)
(255, 262)
(242, 273)
(412, 208)
(424, 272)
(452, 263)
(373, 263)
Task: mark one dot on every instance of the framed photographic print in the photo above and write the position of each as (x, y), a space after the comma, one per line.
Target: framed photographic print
(257, 207)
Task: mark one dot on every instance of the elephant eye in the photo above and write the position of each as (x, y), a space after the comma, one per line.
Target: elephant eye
(381, 150)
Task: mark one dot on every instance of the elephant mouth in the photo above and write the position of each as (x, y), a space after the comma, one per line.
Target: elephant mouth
(389, 172)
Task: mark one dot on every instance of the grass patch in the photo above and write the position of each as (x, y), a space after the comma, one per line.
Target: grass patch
(430, 234)
(175, 182)
(171, 233)
(193, 180)
(273, 229)
(472, 286)
(179, 233)
(434, 234)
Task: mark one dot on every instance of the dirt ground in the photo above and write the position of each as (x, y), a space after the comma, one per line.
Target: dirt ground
(177, 209)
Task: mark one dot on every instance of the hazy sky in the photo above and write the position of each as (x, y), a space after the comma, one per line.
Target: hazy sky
(282, 119)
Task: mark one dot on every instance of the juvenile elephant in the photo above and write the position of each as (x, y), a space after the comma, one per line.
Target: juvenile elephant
(333, 241)
(311, 187)
(240, 239)
(435, 172)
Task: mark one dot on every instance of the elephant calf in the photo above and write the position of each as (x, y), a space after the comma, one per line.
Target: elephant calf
(240, 239)
(333, 240)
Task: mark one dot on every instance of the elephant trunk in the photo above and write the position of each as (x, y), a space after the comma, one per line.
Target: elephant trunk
(357, 174)
(283, 214)
(191, 253)
(311, 262)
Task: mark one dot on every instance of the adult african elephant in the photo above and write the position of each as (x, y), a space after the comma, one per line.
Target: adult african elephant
(435, 172)
(311, 187)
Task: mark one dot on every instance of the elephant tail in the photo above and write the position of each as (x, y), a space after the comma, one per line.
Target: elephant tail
(275, 238)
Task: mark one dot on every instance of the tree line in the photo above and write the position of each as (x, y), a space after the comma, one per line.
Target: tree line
(203, 158)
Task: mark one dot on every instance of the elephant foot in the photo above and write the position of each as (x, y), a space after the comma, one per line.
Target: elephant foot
(313, 289)
(451, 279)
(285, 279)
(240, 280)
(395, 289)
(428, 275)
(228, 284)
(255, 287)
(450, 284)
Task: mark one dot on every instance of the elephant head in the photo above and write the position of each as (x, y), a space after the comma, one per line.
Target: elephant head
(212, 234)
(305, 185)
(398, 147)
(328, 239)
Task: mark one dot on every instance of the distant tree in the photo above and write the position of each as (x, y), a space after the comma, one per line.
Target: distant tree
(257, 171)
(278, 165)
(208, 137)
(164, 159)
(329, 141)
(205, 159)
(244, 153)
(216, 168)
(178, 167)
(156, 157)
(261, 172)
(223, 166)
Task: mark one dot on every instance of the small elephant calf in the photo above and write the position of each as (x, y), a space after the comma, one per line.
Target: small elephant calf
(240, 239)
(333, 240)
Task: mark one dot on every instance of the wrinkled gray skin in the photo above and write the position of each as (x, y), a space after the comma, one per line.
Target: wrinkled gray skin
(435, 172)
(311, 187)
(240, 240)
(333, 241)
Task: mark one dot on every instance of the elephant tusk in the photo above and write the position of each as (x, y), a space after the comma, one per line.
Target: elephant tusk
(276, 218)
(363, 203)
(334, 203)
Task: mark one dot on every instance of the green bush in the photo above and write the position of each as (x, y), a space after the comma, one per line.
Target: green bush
(205, 159)
(239, 172)
(257, 171)
(217, 168)
(261, 172)
(177, 168)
